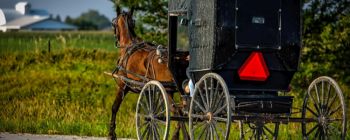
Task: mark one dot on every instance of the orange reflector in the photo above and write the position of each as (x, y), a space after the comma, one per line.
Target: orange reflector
(254, 68)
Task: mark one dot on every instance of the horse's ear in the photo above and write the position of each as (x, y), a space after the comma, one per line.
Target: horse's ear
(118, 10)
(132, 9)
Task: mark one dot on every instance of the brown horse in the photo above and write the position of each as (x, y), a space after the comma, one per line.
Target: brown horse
(137, 61)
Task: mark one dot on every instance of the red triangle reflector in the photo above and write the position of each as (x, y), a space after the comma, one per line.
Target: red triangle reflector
(254, 68)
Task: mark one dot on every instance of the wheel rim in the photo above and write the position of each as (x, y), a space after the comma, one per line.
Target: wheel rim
(210, 114)
(324, 102)
(258, 131)
(152, 113)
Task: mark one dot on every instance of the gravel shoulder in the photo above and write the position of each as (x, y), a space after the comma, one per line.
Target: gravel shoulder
(9, 136)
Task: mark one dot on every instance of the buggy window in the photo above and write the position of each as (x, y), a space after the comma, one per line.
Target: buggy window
(182, 34)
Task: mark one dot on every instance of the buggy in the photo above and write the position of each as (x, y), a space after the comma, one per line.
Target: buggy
(243, 55)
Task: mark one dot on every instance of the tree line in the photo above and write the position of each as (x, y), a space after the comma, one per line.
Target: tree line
(90, 20)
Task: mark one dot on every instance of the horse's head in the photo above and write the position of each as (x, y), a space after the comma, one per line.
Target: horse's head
(123, 26)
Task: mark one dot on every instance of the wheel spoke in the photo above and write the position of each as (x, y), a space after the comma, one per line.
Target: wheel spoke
(211, 93)
(337, 119)
(156, 131)
(220, 109)
(200, 106)
(197, 126)
(214, 101)
(207, 134)
(153, 132)
(211, 132)
(322, 97)
(215, 131)
(160, 121)
(144, 124)
(156, 102)
(203, 100)
(316, 89)
(160, 108)
(143, 107)
(206, 94)
(154, 93)
(219, 128)
(145, 100)
(328, 94)
(160, 113)
(312, 129)
(312, 112)
(317, 134)
(218, 101)
(331, 102)
(314, 103)
(145, 132)
(150, 100)
(333, 111)
(334, 130)
(204, 130)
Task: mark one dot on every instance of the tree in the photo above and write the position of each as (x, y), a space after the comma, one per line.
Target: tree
(151, 18)
(326, 41)
(68, 20)
(90, 20)
(58, 18)
(96, 18)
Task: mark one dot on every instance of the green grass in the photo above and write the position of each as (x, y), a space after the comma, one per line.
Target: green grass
(29, 41)
(61, 92)
(64, 91)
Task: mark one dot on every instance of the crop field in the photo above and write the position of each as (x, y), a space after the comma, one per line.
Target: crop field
(53, 83)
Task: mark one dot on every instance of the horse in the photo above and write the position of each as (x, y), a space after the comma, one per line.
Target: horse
(137, 61)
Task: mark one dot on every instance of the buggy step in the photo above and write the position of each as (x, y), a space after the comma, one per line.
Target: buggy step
(263, 104)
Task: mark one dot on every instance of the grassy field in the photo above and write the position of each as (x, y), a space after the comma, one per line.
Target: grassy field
(64, 90)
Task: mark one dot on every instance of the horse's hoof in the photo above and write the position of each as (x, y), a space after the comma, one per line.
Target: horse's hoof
(111, 137)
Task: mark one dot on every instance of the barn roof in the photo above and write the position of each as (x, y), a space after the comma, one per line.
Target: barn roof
(32, 19)
(25, 20)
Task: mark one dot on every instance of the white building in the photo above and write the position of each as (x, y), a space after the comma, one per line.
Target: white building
(25, 18)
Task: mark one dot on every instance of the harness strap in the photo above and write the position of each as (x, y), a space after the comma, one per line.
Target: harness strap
(134, 74)
(123, 61)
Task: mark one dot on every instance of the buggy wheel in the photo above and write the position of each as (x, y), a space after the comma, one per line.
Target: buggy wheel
(258, 131)
(152, 112)
(210, 113)
(324, 104)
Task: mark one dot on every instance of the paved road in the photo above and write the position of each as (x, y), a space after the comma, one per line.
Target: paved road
(8, 136)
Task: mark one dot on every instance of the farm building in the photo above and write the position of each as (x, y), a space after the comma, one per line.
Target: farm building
(25, 18)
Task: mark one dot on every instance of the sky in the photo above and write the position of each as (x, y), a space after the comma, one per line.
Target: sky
(73, 8)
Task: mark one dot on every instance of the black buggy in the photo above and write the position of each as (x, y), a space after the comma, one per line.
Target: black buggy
(243, 55)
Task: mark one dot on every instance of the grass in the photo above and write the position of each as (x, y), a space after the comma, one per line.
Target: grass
(64, 91)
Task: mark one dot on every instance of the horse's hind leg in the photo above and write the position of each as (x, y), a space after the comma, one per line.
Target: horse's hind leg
(123, 90)
(180, 128)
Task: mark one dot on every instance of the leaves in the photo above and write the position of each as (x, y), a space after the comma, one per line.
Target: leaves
(91, 20)
(326, 39)
(151, 18)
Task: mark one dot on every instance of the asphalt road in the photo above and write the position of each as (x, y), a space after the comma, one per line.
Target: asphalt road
(8, 136)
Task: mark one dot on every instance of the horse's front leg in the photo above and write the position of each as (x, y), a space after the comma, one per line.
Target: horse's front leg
(123, 90)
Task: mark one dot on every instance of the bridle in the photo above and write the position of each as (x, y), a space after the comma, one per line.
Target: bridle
(129, 23)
